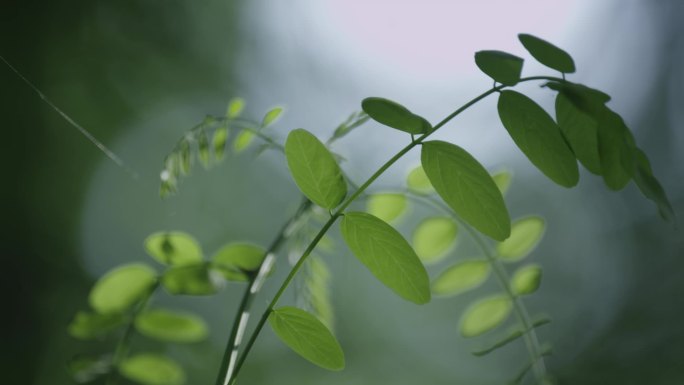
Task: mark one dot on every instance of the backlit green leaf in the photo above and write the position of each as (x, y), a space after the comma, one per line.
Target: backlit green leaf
(461, 277)
(152, 369)
(433, 238)
(171, 326)
(502, 179)
(86, 325)
(580, 131)
(417, 181)
(525, 235)
(387, 206)
(538, 137)
(485, 315)
(547, 53)
(271, 116)
(526, 280)
(122, 287)
(307, 336)
(466, 187)
(185, 157)
(219, 142)
(394, 115)
(314, 169)
(500, 66)
(387, 255)
(650, 187)
(190, 280)
(243, 140)
(237, 260)
(235, 108)
(203, 148)
(173, 248)
(615, 152)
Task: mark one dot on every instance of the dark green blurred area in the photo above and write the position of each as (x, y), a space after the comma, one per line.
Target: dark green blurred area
(112, 64)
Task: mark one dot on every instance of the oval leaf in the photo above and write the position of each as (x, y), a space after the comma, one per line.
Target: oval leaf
(526, 280)
(433, 238)
(502, 179)
(580, 131)
(387, 255)
(394, 115)
(461, 277)
(173, 248)
(243, 140)
(485, 315)
(466, 187)
(650, 187)
(152, 369)
(235, 107)
(525, 235)
(500, 66)
(165, 325)
(538, 137)
(219, 142)
(388, 206)
(86, 326)
(417, 181)
(190, 280)
(236, 260)
(615, 152)
(314, 169)
(547, 53)
(271, 116)
(307, 336)
(122, 287)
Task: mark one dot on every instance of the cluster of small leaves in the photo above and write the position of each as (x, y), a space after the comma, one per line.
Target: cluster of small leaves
(197, 145)
(120, 305)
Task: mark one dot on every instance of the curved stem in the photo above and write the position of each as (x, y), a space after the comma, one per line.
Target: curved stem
(352, 198)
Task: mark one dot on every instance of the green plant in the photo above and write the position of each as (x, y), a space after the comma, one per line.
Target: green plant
(449, 180)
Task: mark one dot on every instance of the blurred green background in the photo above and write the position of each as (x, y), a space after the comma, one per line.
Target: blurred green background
(137, 74)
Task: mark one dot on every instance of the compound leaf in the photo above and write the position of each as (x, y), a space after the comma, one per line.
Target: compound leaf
(500, 66)
(461, 277)
(314, 169)
(190, 280)
(525, 235)
(547, 53)
(485, 315)
(237, 260)
(580, 131)
(387, 255)
(387, 206)
(466, 187)
(433, 238)
(152, 369)
(526, 280)
(393, 114)
(173, 248)
(307, 336)
(538, 137)
(171, 326)
(122, 287)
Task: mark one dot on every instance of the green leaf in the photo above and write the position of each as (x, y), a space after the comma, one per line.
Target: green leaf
(170, 326)
(466, 187)
(190, 280)
(271, 116)
(500, 66)
(580, 131)
(235, 108)
(87, 368)
(314, 169)
(615, 151)
(173, 248)
(185, 157)
(433, 238)
(387, 206)
(243, 140)
(461, 277)
(237, 260)
(485, 315)
(650, 187)
(418, 182)
(203, 149)
(538, 137)
(152, 369)
(307, 336)
(502, 179)
(392, 114)
(121, 288)
(525, 235)
(219, 142)
(586, 99)
(526, 280)
(87, 326)
(547, 53)
(387, 255)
